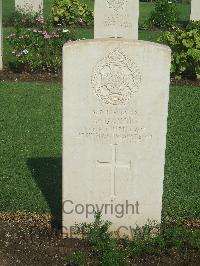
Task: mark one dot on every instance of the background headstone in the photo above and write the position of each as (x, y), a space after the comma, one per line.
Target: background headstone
(195, 10)
(115, 106)
(116, 19)
(33, 5)
(1, 37)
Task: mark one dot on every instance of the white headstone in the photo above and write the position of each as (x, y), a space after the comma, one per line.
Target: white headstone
(195, 10)
(115, 106)
(32, 5)
(116, 19)
(1, 37)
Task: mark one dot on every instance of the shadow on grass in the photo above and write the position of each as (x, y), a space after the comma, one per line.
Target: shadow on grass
(47, 173)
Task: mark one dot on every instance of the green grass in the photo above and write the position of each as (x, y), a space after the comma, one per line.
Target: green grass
(147, 8)
(30, 147)
(145, 11)
(182, 176)
(184, 12)
(30, 158)
(143, 35)
(7, 50)
(8, 8)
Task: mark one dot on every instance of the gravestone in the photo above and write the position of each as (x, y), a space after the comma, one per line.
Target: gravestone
(116, 19)
(115, 106)
(29, 5)
(195, 10)
(1, 37)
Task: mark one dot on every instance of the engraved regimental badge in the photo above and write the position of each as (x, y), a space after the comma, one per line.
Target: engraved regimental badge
(116, 4)
(116, 78)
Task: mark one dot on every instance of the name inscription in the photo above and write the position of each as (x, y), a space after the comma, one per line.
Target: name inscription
(115, 125)
(118, 20)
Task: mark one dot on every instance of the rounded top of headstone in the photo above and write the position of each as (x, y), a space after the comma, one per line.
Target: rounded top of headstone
(120, 41)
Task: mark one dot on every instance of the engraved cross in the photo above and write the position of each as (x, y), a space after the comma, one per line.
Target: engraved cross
(113, 164)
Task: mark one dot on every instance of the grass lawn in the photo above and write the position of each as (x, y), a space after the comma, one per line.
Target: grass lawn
(30, 145)
(30, 158)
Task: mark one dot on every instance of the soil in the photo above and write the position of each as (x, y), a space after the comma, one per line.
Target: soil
(8, 75)
(31, 240)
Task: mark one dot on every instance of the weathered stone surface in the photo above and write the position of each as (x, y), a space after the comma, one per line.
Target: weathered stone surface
(32, 5)
(115, 105)
(116, 19)
(195, 10)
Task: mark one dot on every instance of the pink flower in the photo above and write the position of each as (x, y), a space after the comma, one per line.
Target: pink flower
(46, 35)
(40, 19)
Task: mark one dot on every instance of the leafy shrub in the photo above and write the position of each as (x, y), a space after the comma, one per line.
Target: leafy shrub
(71, 12)
(151, 239)
(185, 47)
(39, 48)
(194, 25)
(24, 17)
(78, 258)
(105, 248)
(164, 15)
(147, 239)
(169, 237)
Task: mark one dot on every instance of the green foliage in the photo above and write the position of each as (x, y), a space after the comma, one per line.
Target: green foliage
(23, 17)
(39, 48)
(104, 245)
(185, 47)
(71, 12)
(181, 238)
(164, 15)
(147, 239)
(106, 249)
(194, 25)
(77, 258)
(152, 239)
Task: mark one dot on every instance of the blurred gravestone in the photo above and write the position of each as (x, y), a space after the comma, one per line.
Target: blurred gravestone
(195, 10)
(116, 19)
(29, 5)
